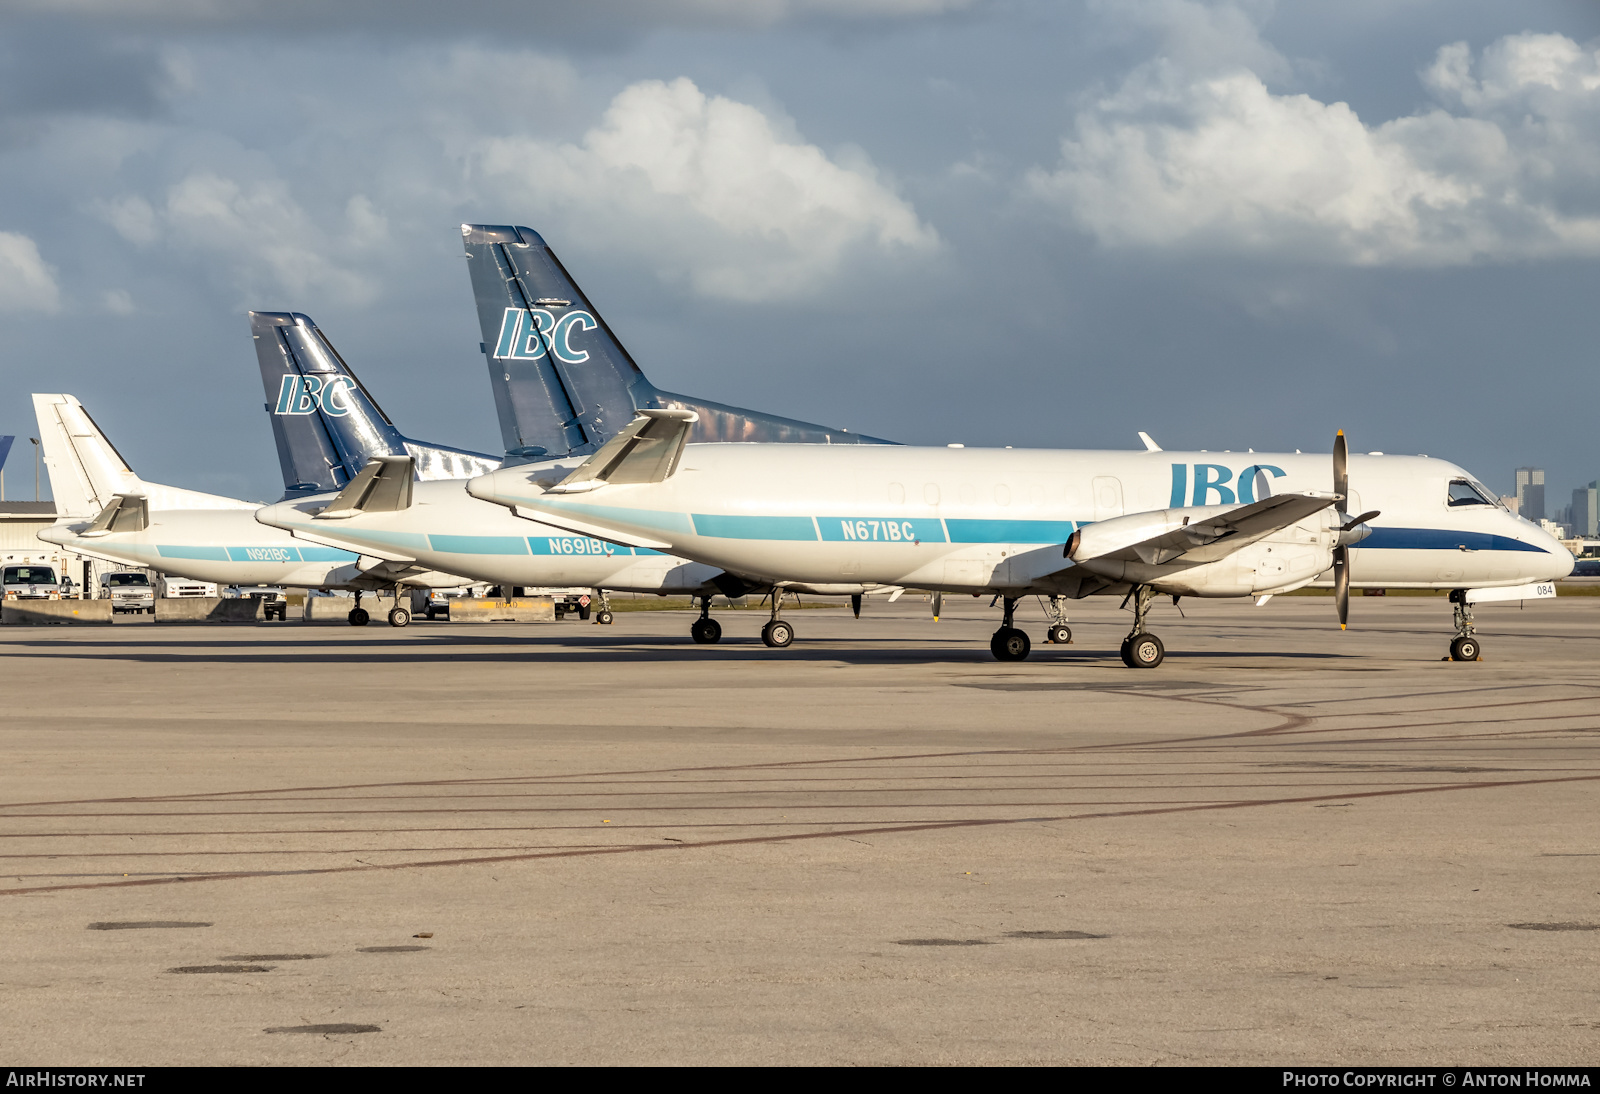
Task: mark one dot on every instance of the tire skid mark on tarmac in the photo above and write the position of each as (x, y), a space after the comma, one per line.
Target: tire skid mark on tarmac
(787, 837)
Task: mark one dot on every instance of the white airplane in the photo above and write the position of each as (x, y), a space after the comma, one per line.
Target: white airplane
(1052, 523)
(106, 511)
(563, 383)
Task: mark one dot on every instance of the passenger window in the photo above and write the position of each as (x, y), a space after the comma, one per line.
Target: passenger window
(1463, 492)
(930, 493)
(897, 494)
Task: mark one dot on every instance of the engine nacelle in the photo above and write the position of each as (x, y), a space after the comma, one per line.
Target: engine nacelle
(1105, 537)
(1277, 562)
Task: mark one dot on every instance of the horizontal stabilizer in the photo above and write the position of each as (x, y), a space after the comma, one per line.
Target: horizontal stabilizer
(383, 486)
(647, 450)
(126, 513)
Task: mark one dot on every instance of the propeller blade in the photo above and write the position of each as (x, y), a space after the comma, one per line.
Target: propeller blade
(1341, 460)
(1356, 522)
(1341, 583)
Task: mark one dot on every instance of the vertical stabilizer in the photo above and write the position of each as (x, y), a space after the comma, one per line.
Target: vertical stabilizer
(325, 422)
(86, 470)
(563, 383)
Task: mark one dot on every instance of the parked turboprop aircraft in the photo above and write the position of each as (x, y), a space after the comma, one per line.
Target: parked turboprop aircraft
(1057, 523)
(563, 384)
(107, 511)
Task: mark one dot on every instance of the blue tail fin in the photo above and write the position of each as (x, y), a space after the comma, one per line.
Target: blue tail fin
(325, 422)
(562, 381)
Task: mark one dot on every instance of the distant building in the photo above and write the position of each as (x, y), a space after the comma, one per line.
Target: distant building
(1585, 510)
(1530, 493)
(1510, 502)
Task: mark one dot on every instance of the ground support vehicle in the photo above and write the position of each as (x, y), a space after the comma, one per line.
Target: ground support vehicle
(128, 591)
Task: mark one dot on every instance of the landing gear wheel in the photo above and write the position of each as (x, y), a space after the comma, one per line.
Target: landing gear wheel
(705, 631)
(777, 634)
(399, 617)
(1466, 648)
(1143, 651)
(1010, 644)
(1058, 635)
(358, 617)
(604, 619)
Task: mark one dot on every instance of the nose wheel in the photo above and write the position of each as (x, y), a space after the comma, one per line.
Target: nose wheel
(1465, 646)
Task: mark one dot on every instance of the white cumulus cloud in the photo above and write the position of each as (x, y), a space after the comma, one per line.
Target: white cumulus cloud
(26, 283)
(265, 241)
(708, 189)
(1505, 168)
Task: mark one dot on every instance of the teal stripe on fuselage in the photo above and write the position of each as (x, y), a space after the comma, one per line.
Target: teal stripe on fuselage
(327, 554)
(741, 527)
(193, 554)
(1009, 531)
(480, 545)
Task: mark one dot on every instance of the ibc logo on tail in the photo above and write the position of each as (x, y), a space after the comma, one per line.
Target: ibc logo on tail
(305, 394)
(527, 335)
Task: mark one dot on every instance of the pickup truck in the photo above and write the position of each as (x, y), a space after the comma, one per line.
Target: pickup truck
(273, 603)
(128, 591)
(30, 582)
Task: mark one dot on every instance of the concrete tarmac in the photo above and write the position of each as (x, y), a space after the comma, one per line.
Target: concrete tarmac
(567, 843)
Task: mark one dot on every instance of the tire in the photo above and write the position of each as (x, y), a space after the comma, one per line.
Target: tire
(1144, 651)
(399, 617)
(1466, 647)
(583, 613)
(705, 631)
(777, 634)
(1010, 644)
(358, 617)
(604, 619)
(431, 615)
(1059, 635)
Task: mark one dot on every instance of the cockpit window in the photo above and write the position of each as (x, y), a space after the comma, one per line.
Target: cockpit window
(1467, 492)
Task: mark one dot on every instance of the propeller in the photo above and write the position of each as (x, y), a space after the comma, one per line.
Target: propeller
(1341, 551)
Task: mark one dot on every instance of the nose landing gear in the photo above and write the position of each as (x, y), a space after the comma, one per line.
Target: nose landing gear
(603, 616)
(1141, 650)
(1008, 643)
(1059, 633)
(1465, 646)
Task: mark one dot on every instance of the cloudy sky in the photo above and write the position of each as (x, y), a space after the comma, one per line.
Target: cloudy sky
(988, 221)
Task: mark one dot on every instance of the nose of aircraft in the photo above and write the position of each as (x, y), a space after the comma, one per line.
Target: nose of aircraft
(482, 487)
(272, 515)
(1557, 561)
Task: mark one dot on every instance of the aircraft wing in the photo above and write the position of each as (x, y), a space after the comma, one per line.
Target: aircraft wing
(1218, 536)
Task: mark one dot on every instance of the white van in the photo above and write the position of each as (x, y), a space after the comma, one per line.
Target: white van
(172, 587)
(128, 591)
(30, 582)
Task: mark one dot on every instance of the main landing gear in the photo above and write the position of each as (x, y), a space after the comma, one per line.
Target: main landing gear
(1009, 643)
(1465, 646)
(358, 615)
(705, 630)
(777, 633)
(1141, 650)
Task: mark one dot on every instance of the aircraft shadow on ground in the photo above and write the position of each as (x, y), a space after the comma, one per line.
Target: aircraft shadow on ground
(354, 649)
